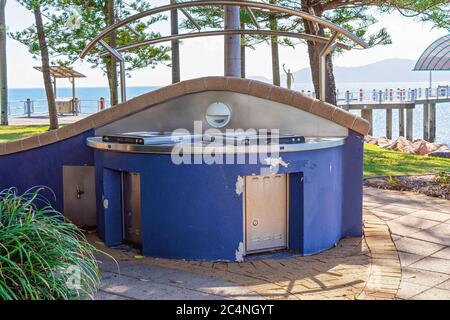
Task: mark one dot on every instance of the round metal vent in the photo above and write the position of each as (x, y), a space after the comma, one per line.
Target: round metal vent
(218, 114)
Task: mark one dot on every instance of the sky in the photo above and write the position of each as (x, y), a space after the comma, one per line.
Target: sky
(204, 56)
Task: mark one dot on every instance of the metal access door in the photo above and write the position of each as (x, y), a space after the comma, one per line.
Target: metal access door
(79, 195)
(265, 212)
(131, 207)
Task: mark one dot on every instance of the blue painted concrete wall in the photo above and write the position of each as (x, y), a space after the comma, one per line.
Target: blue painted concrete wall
(353, 167)
(193, 212)
(43, 166)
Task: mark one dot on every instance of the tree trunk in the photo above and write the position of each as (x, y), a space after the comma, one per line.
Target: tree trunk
(46, 69)
(232, 43)
(111, 63)
(274, 48)
(242, 52)
(3, 73)
(175, 46)
(314, 50)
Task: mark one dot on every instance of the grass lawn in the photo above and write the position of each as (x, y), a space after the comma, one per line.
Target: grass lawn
(377, 161)
(382, 162)
(8, 133)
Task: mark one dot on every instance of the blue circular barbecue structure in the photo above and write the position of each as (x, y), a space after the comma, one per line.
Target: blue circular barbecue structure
(274, 170)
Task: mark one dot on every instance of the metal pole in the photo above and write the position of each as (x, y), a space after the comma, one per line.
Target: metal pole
(123, 86)
(232, 43)
(3, 71)
(431, 79)
(252, 17)
(118, 56)
(74, 102)
(322, 77)
(28, 107)
(175, 45)
(329, 46)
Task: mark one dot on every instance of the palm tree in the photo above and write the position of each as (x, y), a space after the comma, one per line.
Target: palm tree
(3, 74)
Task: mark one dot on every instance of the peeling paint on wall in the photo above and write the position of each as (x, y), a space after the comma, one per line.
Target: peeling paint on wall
(240, 252)
(274, 164)
(239, 185)
(105, 203)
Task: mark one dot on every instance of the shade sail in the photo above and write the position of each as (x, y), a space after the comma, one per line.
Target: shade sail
(436, 57)
(63, 72)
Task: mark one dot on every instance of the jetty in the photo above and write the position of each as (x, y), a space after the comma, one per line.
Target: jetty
(405, 101)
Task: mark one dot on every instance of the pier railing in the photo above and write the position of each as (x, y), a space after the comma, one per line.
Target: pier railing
(389, 95)
(393, 95)
(403, 100)
(38, 107)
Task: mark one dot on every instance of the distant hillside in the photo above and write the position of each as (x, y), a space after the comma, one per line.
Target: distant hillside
(389, 70)
(260, 78)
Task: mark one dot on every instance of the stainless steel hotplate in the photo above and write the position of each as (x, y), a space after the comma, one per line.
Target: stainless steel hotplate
(235, 142)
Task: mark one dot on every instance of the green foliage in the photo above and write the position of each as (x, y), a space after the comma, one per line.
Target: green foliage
(358, 16)
(393, 181)
(443, 179)
(66, 38)
(8, 133)
(39, 251)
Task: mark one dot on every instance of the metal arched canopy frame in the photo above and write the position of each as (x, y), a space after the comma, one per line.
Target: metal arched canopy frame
(303, 36)
(330, 44)
(249, 4)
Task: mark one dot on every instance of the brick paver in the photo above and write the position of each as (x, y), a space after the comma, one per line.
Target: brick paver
(420, 227)
(404, 254)
(357, 268)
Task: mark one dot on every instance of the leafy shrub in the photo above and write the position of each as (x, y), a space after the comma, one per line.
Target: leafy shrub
(393, 181)
(42, 255)
(443, 179)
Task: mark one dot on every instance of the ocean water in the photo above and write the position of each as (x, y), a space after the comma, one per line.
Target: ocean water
(89, 103)
(89, 97)
(379, 116)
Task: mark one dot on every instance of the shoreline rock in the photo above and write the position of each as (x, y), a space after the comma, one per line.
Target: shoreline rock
(418, 146)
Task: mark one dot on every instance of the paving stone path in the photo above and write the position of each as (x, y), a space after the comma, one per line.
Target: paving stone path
(357, 268)
(42, 120)
(420, 228)
(404, 254)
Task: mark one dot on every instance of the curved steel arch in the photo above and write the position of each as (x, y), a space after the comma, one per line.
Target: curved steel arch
(436, 56)
(303, 36)
(330, 43)
(249, 4)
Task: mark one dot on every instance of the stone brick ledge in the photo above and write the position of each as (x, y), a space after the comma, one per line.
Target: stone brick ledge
(238, 85)
(385, 269)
